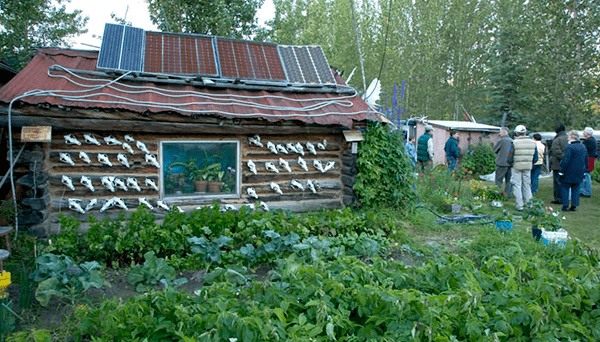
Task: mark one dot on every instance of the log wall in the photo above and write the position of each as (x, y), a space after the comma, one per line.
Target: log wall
(330, 193)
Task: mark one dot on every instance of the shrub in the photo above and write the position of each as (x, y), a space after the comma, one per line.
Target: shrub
(385, 177)
(480, 159)
(596, 172)
(154, 270)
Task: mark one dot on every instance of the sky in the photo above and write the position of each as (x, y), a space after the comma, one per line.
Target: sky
(99, 12)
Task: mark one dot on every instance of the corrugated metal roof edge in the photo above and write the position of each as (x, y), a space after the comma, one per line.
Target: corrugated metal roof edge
(470, 126)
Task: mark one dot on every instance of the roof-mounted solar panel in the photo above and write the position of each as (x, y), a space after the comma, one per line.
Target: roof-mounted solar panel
(180, 54)
(249, 60)
(122, 48)
(306, 64)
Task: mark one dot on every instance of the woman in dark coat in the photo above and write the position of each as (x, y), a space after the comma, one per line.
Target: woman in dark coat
(572, 167)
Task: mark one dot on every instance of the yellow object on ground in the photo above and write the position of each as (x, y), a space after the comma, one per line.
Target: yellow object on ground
(4, 282)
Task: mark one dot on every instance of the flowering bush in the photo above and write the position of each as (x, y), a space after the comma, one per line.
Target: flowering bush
(441, 186)
(486, 192)
(543, 216)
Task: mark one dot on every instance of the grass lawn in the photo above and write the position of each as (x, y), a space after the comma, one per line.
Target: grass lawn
(583, 224)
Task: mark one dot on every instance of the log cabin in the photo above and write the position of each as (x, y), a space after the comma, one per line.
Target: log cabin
(165, 120)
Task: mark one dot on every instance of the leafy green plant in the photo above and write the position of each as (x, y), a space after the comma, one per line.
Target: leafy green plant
(451, 298)
(480, 159)
(154, 270)
(595, 174)
(7, 317)
(69, 242)
(193, 171)
(209, 250)
(385, 176)
(32, 335)
(504, 216)
(543, 216)
(7, 211)
(59, 275)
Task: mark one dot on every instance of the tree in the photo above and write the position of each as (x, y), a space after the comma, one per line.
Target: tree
(508, 100)
(537, 59)
(25, 24)
(226, 18)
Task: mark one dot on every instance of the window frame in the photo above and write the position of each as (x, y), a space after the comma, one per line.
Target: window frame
(175, 199)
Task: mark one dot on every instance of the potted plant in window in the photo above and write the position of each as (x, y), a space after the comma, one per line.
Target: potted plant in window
(190, 170)
(196, 174)
(215, 181)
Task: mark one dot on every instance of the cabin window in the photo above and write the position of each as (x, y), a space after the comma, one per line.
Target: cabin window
(200, 169)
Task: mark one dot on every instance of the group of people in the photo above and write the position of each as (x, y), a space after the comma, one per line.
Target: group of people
(571, 162)
(519, 163)
(422, 154)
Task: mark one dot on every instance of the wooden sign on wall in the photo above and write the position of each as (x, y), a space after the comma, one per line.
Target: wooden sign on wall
(36, 134)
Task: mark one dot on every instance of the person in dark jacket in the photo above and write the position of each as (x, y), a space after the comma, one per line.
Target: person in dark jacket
(591, 146)
(557, 152)
(451, 149)
(572, 167)
(503, 172)
(425, 148)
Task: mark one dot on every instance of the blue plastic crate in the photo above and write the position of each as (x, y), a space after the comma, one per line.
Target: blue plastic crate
(504, 225)
(560, 243)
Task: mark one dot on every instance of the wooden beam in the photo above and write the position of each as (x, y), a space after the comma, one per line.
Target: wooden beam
(165, 127)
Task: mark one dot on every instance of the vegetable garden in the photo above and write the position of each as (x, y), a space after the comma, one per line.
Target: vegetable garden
(386, 271)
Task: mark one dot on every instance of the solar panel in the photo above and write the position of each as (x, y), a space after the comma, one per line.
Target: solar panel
(306, 64)
(122, 48)
(241, 56)
(273, 62)
(179, 54)
(250, 60)
(153, 57)
(132, 49)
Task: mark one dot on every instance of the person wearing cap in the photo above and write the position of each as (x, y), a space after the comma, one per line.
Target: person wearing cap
(425, 148)
(572, 168)
(521, 157)
(591, 146)
(501, 148)
(451, 149)
(536, 170)
(557, 152)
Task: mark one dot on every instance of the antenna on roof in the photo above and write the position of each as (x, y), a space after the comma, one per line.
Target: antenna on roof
(166, 21)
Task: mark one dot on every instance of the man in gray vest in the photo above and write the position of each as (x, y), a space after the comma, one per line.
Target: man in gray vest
(521, 156)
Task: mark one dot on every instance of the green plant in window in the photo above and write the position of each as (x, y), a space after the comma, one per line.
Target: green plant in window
(194, 172)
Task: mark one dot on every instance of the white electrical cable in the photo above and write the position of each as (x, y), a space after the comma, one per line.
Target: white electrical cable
(73, 73)
(230, 98)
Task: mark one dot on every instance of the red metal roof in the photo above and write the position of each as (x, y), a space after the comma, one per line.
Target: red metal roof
(149, 97)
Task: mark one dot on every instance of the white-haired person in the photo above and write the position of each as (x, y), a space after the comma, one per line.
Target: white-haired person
(521, 157)
(591, 146)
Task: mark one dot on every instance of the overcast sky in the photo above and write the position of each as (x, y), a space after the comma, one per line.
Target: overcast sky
(137, 13)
